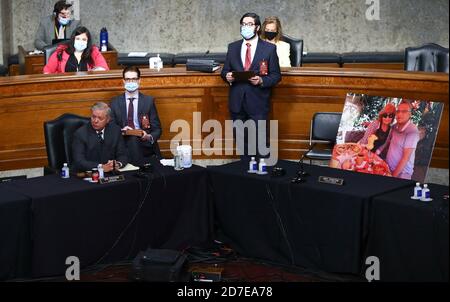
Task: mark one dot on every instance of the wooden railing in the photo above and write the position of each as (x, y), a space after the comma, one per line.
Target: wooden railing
(27, 101)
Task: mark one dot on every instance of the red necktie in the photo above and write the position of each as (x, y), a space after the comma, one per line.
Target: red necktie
(248, 57)
(131, 113)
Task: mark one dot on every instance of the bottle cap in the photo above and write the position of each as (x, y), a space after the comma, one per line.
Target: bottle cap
(425, 186)
(65, 164)
(417, 183)
(253, 158)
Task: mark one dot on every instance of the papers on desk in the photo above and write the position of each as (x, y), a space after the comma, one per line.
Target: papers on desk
(129, 167)
(139, 54)
(167, 162)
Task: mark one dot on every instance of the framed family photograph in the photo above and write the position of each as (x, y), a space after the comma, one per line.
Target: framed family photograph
(387, 136)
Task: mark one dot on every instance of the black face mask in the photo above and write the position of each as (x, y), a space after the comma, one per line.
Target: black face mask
(270, 35)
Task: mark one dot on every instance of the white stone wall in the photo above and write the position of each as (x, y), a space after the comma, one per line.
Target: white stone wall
(198, 25)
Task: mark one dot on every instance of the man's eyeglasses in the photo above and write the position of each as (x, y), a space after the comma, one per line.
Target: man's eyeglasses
(390, 115)
(247, 24)
(403, 111)
(131, 79)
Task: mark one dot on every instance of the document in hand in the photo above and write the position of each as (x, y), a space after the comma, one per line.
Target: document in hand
(243, 76)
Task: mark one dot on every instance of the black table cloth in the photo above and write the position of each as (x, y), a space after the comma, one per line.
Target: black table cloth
(311, 224)
(112, 222)
(15, 240)
(410, 237)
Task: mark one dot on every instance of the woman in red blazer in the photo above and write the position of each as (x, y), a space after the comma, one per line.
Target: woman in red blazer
(77, 55)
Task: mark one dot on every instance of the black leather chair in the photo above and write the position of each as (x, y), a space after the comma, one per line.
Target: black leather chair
(324, 128)
(296, 54)
(48, 51)
(3, 70)
(181, 58)
(58, 140)
(124, 60)
(429, 57)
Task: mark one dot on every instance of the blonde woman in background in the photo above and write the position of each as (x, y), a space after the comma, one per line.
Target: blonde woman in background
(272, 32)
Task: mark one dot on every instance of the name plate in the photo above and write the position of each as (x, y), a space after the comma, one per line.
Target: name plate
(112, 179)
(331, 180)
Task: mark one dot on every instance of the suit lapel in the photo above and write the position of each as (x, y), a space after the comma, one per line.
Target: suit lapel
(258, 56)
(238, 55)
(123, 110)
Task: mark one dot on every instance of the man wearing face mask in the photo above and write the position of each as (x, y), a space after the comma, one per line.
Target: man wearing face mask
(250, 100)
(57, 27)
(136, 111)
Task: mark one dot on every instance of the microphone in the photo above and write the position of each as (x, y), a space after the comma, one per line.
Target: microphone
(207, 52)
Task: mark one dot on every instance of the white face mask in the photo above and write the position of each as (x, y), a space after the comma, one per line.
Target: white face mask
(131, 86)
(80, 45)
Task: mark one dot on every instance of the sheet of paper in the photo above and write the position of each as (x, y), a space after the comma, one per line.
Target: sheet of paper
(129, 167)
(137, 54)
(167, 162)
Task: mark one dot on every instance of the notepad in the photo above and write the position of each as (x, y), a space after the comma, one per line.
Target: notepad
(242, 76)
(137, 54)
(129, 167)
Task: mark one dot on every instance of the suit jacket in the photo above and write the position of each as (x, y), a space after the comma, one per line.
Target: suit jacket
(46, 31)
(146, 105)
(89, 151)
(258, 97)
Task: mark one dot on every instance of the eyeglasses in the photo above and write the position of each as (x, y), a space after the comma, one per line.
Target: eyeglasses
(131, 79)
(247, 24)
(390, 115)
(403, 111)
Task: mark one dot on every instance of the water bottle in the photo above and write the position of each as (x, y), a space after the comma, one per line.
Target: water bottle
(65, 171)
(417, 191)
(103, 39)
(426, 196)
(159, 62)
(262, 167)
(101, 172)
(253, 166)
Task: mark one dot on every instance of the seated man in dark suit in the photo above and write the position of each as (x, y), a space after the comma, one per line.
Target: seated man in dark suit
(135, 111)
(99, 142)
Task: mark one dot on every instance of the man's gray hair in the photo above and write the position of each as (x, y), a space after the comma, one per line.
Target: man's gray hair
(101, 106)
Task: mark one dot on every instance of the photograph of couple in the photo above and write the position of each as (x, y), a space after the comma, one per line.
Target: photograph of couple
(387, 136)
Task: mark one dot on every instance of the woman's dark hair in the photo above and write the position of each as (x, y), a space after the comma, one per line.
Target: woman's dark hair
(88, 51)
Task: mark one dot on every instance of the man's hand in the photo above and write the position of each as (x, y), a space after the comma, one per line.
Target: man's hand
(146, 137)
(256, 80)
(230, 77)
(125, 129)
(109, 166)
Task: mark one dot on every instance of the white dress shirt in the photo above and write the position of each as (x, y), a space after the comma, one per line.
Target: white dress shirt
(254, 44)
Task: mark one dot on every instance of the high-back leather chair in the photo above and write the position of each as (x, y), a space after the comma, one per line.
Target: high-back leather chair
(429, 57)
(48, 51)
(58, 139)
(324, 128)
(296, 50)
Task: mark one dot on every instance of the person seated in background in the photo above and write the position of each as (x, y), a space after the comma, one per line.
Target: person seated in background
(378, 130)
(99, 142)
(272, 32)
(59, 26)
(77, 55)
(133, 110)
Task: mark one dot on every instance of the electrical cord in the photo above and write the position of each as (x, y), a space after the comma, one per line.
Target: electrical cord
(147, 190)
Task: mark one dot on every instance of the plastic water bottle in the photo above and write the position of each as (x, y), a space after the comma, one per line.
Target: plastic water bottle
(103, 39)
(253, 166)
(426, 195)
(101, 172)
(65, 171)
(262, 166)
(417, 191)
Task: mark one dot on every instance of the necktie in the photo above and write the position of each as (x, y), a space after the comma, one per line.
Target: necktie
(130, 120)
(248, 57)
(100, 137)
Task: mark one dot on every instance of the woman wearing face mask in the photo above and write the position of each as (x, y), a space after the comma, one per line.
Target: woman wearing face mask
(78, 55)
(57, 27)
(272, 33)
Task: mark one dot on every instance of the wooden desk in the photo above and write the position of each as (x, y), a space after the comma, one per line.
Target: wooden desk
(27, 101)
(34, 64)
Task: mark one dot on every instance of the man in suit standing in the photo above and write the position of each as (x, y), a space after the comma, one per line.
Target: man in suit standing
(99, 142)
(58, 26)
(135, 111)
(250, 99)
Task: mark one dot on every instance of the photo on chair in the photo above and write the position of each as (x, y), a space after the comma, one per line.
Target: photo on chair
(387, 136)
